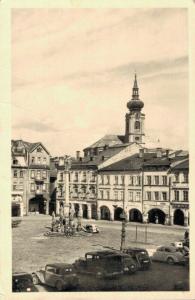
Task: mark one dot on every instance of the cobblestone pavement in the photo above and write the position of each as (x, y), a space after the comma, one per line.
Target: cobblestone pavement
(32, 250)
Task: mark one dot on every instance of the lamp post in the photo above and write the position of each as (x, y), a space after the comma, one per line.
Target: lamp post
(123, 230)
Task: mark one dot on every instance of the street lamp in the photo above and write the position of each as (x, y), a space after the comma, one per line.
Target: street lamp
(123, 230)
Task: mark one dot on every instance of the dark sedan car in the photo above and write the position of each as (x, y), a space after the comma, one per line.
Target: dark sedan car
(140, 256)
(23, 282)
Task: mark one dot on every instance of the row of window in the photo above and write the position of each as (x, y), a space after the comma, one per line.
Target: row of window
(37, 187)
(39, 160)
(34, 174)
(156, 196)
(156, 180)
(83, 177)
(150, 196)
(18, 173)
(180, 178)
(134, 180)
(181, 195)
(120, 180)
(119, 195)
(38, 174)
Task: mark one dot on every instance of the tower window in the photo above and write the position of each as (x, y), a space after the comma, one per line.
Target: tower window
(137, 138)
(137, 125)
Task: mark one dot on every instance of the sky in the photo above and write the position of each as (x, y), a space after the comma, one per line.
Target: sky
(73, 72)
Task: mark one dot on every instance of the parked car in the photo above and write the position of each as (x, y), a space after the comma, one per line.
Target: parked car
(59, 275)
(140, 256)
(169, 254)
(106, 264)
(23, 282)
(91, 228)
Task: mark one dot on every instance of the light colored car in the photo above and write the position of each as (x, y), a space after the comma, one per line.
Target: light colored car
(91, 228)
(168, 254)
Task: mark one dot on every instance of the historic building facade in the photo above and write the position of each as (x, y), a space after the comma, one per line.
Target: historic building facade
(30, 177)
(117, 173)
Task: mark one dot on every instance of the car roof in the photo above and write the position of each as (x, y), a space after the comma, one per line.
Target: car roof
(59, 265)
(100, 252)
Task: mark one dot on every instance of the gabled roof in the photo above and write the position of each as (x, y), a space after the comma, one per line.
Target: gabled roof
(108, 140)
(28, 146)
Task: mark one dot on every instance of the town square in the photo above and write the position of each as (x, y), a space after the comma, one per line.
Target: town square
(99, 151)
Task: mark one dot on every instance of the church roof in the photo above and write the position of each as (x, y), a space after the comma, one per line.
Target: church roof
(95, 160)
(108, 140)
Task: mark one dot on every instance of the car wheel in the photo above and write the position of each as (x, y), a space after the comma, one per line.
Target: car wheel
(59, 286)
(35, 279)
(170, 261)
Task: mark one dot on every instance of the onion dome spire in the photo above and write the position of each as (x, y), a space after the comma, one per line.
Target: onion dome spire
(135, 95)
(135, 104)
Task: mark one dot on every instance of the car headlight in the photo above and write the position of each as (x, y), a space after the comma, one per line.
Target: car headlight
(99, 273)
(28, 289)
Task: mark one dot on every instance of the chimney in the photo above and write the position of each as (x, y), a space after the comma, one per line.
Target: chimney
(141, 153)
(77, 155)
(158, 152)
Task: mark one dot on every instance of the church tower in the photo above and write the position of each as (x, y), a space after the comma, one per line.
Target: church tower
(135, 118)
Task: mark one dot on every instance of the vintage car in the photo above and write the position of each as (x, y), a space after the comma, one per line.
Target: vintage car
(23, 282)
(91, 228)
(140, 256)
(59, 275)
(169, 254)
(105, 264)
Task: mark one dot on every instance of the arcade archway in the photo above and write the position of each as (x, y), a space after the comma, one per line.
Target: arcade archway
(178, 217)
(84, 207)
(37, 204)
(135, 215)
(156, 215)
(105, 213)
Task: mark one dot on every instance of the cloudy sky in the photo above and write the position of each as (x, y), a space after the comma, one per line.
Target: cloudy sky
(73, 71)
